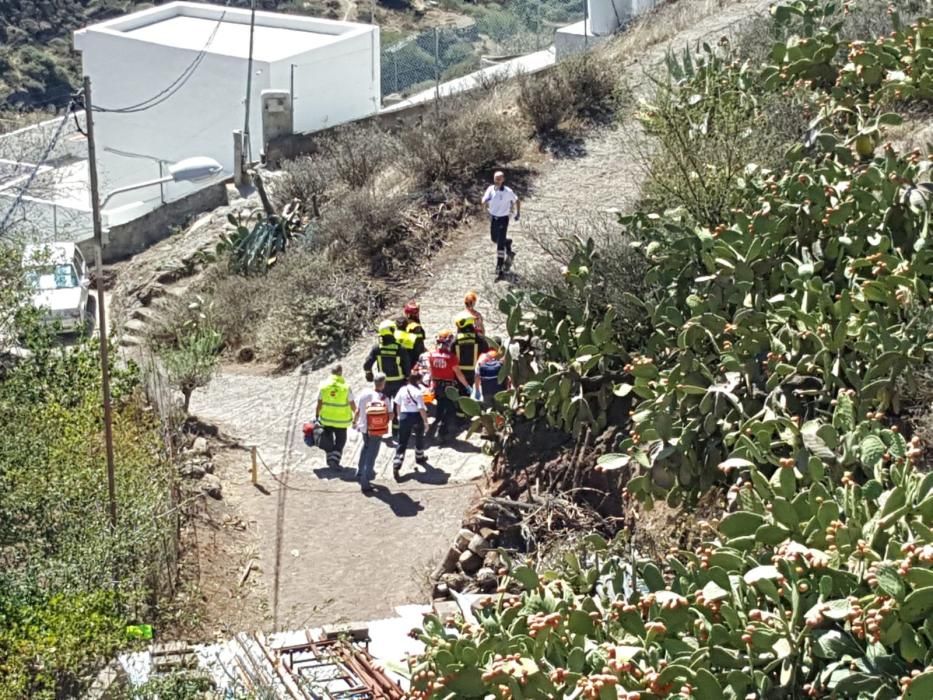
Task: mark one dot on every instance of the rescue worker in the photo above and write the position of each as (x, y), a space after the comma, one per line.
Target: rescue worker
(468, 345)
(411, 333)
(391, 360)
(469, 303)
(336, 411)
(488, 367)
(445, 373)
(413, 420)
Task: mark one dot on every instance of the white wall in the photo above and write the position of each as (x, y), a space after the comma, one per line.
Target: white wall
(606, 16)
(198, 120)
(335, 83)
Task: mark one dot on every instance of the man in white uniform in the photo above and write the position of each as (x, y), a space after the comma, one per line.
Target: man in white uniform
(501, 202)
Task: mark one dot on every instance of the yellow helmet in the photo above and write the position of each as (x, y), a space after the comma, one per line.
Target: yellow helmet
(388, 327)
(465, 320)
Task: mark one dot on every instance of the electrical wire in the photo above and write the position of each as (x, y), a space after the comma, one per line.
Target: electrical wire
(176, 85)
(42, 161)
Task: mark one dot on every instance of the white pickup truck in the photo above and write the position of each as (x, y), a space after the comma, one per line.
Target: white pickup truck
(57, 275)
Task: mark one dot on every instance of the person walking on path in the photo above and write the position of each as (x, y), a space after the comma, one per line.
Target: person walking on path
(501, 203)
(412, 420)
(336, 411)
(469, 303)
(372, 404)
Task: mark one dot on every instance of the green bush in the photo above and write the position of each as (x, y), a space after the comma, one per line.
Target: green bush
(69, 581)
(808, 588)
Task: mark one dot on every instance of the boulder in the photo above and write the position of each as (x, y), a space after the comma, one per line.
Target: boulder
(492, 560)
(200, 446)
(486, 579)
(447, 564)
(470, 562)
(454, 582)
(211, 486)
(463, 539)
(478, 545)
(192, 470)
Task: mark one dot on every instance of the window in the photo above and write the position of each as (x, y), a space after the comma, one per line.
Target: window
(49, 277)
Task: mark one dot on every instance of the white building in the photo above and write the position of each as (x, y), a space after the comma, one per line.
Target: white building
(171, 83)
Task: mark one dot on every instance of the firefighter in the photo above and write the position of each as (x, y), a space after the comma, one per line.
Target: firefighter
(411, 333)
(445, 373)
(468, 345)
(390, 359)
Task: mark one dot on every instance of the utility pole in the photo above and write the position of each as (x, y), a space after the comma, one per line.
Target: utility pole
(101, 313)
(248, 148)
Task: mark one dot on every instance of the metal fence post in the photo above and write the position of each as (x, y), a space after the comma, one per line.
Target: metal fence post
(586, 24)
(291, 95)
(437, 71)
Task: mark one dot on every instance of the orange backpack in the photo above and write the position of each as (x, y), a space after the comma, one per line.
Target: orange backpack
(377, 417)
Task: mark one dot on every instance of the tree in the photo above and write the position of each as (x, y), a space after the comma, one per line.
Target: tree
(191, 364)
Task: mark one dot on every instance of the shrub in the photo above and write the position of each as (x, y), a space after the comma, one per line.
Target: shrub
(368, 227)
(316, 309)
(191, 363)
(824, 592)
(465, 138)
(592, 78)
(238, 307)
(307, 179)
(358, 154)
(545, 101)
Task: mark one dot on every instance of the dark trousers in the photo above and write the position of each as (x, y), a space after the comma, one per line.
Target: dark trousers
(391, 390)
(409, 424)
(446, 410)
(332, 442)
(499, 233)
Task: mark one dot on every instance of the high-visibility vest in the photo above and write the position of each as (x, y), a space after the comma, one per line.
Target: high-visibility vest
(417, 330)
(335, 404)
(466, 345)
(389, 363)
(405, 339)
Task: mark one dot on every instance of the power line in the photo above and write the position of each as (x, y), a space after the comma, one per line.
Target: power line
(174, 86)
(32, 176)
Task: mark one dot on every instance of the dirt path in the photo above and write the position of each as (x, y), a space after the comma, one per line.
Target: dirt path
(331, 553)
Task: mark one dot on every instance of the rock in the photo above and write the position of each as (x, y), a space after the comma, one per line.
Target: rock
(486, 579)
(463, 539)
(447, 564)
(446, 609)
(245, 354)
(492, 560)
(192, 470)
(477, 522)
(491, 534)
(454, 582)
(211, 486)
(470, 562)
(441, 590)
(200, 446)
(478, 545)
(208, 466)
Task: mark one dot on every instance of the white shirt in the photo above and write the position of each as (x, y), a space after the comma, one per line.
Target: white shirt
(499, 201)
(367, 397)
(410, 399)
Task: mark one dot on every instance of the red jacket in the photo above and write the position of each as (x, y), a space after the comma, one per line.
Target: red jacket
(442, 365)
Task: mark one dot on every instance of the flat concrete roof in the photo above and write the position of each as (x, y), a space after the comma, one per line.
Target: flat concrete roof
(231, 39)
(190, 25)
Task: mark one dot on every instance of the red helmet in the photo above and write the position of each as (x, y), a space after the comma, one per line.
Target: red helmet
(412, 310)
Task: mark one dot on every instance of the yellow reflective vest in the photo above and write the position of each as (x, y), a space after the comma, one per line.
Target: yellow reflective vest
(335, 400)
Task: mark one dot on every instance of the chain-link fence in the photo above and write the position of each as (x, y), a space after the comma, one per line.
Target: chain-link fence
(420, 61)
